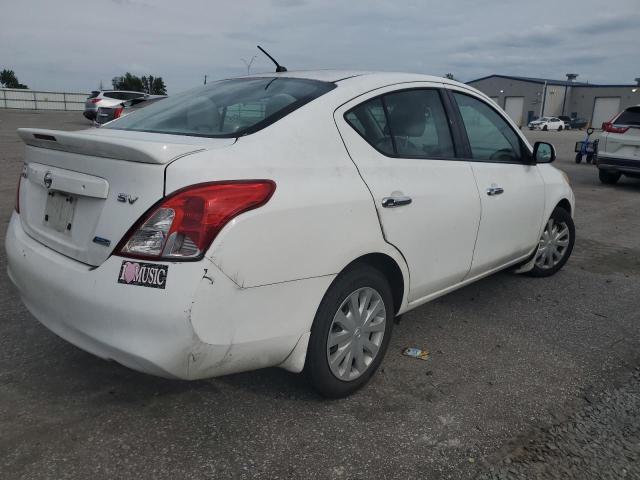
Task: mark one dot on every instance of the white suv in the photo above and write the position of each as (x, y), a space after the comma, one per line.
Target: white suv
(619, 147)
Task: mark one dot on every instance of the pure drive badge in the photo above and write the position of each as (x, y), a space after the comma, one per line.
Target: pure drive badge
(143, 274)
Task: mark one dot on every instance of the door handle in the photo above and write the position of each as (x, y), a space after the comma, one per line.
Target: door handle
(495, 190)
(393, 202)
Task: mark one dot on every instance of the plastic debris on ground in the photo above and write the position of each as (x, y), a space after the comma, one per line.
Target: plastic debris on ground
(416, 353)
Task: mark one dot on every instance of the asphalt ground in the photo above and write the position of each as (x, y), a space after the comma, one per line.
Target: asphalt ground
(512, 359)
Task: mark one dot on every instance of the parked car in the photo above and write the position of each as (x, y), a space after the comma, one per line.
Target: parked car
(546, 123)
(578, 123)
(106, 98)
(619, 147)
(107, 114)
(279, 220)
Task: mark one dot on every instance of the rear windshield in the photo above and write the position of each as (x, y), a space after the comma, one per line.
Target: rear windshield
(631, 116)
(94, 94)
(228, 108)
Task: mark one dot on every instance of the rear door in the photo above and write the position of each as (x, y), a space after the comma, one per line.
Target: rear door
(426, 198)
(511, 188)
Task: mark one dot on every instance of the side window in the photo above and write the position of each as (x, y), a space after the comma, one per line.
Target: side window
(490, 136)
(370, 121)
(419, 124)
(410, 123)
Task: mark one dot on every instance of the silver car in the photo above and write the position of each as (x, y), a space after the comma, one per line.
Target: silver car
(107, 98)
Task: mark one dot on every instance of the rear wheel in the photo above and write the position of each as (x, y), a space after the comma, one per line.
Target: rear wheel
(609, 178)
(560, 128)
(350, 333)
(555, 245)
(544, 129)
(578, 157)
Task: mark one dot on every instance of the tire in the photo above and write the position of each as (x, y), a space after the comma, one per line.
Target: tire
(608, 178)
(578, 157)
(544, 128)
(560, 128)
(354, 283)
(552, 251)
(589, 158)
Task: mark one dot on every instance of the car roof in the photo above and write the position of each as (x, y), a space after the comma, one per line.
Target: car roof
(373, 77)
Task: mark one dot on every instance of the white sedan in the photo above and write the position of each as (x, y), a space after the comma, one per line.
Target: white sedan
(547, 123)
(278, 220)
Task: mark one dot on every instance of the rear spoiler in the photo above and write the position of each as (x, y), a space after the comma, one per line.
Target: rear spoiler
(121, 148)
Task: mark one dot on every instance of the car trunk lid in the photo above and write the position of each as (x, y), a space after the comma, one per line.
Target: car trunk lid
(82, 191)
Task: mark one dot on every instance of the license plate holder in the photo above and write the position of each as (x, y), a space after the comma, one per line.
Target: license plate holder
(58, 214)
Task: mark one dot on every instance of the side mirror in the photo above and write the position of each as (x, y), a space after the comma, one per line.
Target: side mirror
(544, 152)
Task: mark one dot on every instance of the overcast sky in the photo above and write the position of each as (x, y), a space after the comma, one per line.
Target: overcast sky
(72, 45)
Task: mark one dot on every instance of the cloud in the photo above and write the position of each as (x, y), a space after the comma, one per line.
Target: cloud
(50, 47)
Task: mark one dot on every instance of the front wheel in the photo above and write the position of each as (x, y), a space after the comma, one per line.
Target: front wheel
(555, 245)
(578, 157)
(609, 178)
(544, 129)
(560, 128)
(350, 333)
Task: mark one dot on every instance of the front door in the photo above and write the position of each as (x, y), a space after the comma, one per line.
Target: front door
(426, 198)
(511, 188)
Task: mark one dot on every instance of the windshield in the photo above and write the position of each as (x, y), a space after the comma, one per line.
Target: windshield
(228, 108)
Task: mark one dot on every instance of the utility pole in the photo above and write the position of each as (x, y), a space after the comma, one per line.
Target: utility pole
(205, 79)
(544, 99)
(570, 79)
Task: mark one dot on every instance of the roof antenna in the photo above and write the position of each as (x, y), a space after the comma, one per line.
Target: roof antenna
(279, 68)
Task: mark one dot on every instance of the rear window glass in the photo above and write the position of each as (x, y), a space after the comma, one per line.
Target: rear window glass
(228, 108)
(631, 116)
(94, 94)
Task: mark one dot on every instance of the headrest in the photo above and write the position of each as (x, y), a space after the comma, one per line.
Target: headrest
(277, 102)
(408, 117)
(203, 115)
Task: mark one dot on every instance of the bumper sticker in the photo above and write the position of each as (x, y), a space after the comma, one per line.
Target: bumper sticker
(143, 274)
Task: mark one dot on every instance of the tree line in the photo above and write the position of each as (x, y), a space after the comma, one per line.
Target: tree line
(8, 79)
(146, 84)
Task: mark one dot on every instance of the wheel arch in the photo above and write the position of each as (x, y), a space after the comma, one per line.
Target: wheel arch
(389, 267)
(565, 205)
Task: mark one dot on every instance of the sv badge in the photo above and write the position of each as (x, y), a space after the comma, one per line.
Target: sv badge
(126, 198)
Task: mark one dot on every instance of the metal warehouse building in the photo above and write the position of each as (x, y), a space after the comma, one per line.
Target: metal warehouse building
(525, 98)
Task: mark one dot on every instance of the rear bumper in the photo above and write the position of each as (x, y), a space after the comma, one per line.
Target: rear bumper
(622, 165)
(201, 325)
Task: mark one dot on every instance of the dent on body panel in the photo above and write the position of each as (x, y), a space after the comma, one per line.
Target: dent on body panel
(205, 317)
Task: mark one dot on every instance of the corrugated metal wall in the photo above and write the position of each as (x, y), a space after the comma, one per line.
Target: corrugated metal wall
(34, 100)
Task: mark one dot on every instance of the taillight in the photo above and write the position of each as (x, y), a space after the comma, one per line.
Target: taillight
(95, 100)
(117, 112)
(611, 128)
(183, 225)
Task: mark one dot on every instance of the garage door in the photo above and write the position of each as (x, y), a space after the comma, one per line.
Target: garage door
(514, 107)
(604, 109)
